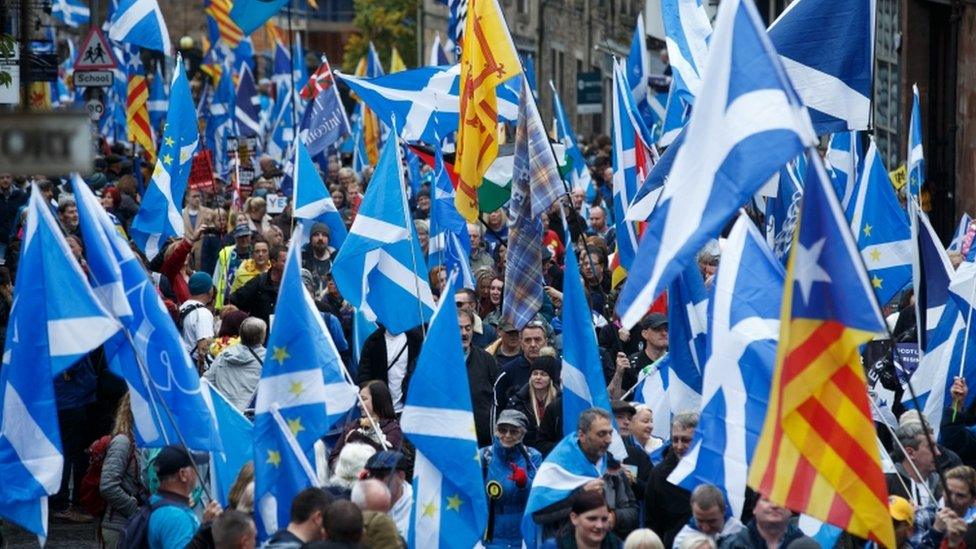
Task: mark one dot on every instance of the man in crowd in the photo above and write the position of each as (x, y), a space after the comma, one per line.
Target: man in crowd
(318, 258)
(480, 258)
(771, 526)
(483, 334)
(599, 226)
(228, 260)
(509, 345)
(234, 529)
(516, 373)
(259, 296)
(482, 373)
(374, 499)
(307, 516)
(197, 319)
(389, 467)
(668, 507)
(636, 457)
(654, 333)
(915, 477)
(708, 516)
(391, 358)
(172, 522)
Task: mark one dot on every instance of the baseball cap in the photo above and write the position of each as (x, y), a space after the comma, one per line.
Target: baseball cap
(653, 321)
(507, 326)
(200, 283)
(901, 509)
(174, 457)
(621, 406)
(387, 460)
(242, 230)
(513, 418)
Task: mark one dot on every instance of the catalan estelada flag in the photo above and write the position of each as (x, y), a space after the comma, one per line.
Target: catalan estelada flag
(488, 58)
(137, 103)
(218, 13)
(818, 451)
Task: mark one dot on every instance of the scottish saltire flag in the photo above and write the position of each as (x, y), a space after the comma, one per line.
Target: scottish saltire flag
(652, 389)
(437, 56)
(827, 48)
(916, 157)
(536, 184)
(449, 243)
(325, 121)
(687, 30)
(881, 228)
(819, 385)
(782, 209)
(742, 333)
(565, 469)
(843, 157)
(717, 170)
(457, 17)
(582, 373)
(251, 14)
(676, 114)
(450, 509)
(955, 245)
(150, 348)
(381, 267)
(281, 129)
(413, 96)
(304, 379)
(248, 110)
(55, 321)
(237, 435)
(362, 326)
(579, 177)
(220, 120)
(931, 274)
(158, 102)
(160, 214)
(644, 202)
(140, 23)
(311, 200)
(73, 13)
(687, 327)
(638, 71)
(633, 157)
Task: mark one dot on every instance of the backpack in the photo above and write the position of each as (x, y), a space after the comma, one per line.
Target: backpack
(90, 496)
(186, 312)
(136, 533)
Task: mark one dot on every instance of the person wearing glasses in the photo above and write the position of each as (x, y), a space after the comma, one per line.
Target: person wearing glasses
(668, 507)
(508, 467)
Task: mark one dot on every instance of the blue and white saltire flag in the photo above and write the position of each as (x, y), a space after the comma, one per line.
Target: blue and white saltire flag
(221, 121)
(826, 535)
(311, 200)
(565, 469)
(54, 322)
(444, 222)
(381, 267)
(827, 48)
(957, 237)
(579, 177)
(140, 23)
(362, 327)
(457, 15)
(413, 97)
(638, 71)
(687, 30)
(676, 114)
(652, 389)
(843, 157)
(236, 434)
(160, 213)
(742, 334)
(644, 202)
(931, 274)
(248, 108)
(437, 56)
(633, 157)
(303, 378)
(881, 228)
(325, 121)
(151, 348)
(73, 13)
(687, 327)
(718, 169)
(582, 373)
(450, 509)
(158, 102)
(916, 157)
(782, 210)
(251, 14)
(282, 128)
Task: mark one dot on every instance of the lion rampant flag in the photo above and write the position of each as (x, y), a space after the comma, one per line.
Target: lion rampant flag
(488, 58)
(818, 451)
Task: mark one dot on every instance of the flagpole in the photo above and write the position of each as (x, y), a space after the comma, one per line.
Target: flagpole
(291, 47)
(901, 447)
(409, 227)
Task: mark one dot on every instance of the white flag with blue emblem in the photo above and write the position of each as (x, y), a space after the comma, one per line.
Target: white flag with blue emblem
(742, 335)
(140, 23)
(54, 322)
(380, 267)
(747, 123)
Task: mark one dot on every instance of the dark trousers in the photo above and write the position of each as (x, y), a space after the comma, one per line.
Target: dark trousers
(74, 441)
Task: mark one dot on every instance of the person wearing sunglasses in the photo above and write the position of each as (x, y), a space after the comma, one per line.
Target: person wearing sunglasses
(508, 467)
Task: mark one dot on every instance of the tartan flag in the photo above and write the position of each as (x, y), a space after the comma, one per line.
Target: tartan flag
(817, 453)
(137, 103)
(488, 58)
(536, 183)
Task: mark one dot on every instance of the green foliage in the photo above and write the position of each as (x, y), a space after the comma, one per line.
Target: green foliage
(7, 46)
(386, 23)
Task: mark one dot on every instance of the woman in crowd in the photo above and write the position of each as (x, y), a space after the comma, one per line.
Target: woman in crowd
(376, 407)
(350, 463)
(120, 484)
(508, 467)
(229, 332)
(422, 227)
(236, 371)
(340, 200)
(642, 429)
(496, 289)
(533, 398)
(259, 262)
(256, 214)
(590, 518)
(437, 278)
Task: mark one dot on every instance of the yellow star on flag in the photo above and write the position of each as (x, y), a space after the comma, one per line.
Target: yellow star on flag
(430, 509)
(454, 503)
(296, 388)
(867, 230)
(167, 159)
(169, 141)
(280, 355)
(295, 425)
(875, 255)
(274, 458)
(876, 282)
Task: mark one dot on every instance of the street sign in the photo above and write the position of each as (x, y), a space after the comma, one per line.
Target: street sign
(95, 109)
(49, 143)
(589, 93)
(95, 53)
(93, 79)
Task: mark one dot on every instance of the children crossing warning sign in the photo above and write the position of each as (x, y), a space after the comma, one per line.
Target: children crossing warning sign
(95, 53)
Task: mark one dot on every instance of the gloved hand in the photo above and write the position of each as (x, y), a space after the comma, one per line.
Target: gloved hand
(518, 476)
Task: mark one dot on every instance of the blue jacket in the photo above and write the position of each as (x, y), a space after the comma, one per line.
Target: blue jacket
(496, 463)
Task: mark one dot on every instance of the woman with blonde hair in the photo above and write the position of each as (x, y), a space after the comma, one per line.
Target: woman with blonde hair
(256, 214)
(533, 397)
(120, 484)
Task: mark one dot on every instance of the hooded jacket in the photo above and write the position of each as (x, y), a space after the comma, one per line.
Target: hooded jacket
(236, 372)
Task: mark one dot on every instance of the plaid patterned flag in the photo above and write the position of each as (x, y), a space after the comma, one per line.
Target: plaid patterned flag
(535, 185)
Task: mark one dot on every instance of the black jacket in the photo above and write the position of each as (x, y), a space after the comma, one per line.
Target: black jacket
(482, 373)
(9, 205)
(257, 297)
(374, 364)
(666, 507)
(522, 402)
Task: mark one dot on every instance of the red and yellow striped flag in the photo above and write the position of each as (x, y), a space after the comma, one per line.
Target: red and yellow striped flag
(488, 58)
(230, 33)
(137, 113)
(818, 452)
